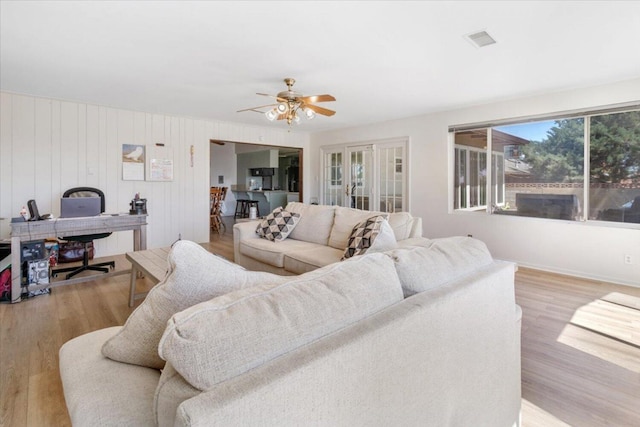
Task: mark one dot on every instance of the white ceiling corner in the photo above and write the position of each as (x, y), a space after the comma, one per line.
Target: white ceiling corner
(381, 59)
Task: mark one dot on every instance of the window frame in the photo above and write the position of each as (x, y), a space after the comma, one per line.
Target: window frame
(467, 180)
(489, 185)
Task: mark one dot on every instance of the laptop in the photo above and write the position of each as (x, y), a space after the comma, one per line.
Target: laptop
(75, 207)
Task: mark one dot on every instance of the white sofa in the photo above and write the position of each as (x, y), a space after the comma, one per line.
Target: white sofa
(319, 238)
(339, 346)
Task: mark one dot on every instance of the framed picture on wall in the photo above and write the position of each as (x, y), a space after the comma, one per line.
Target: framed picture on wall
(133, 161)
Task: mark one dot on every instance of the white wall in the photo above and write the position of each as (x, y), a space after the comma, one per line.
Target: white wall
(48, 146)
(582, 249)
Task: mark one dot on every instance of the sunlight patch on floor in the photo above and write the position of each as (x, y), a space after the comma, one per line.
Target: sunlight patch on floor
(607, 328)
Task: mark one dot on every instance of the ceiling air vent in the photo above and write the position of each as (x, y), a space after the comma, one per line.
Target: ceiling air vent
(480, 39)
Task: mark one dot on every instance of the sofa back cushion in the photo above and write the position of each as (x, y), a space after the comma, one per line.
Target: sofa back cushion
(315, 222)
(404, 225)
(195, 275)
(226, 336)
(171, 391)
(438, 261)
(345, 220)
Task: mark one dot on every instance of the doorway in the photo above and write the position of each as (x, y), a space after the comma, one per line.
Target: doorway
(230, 165)
(371, 176)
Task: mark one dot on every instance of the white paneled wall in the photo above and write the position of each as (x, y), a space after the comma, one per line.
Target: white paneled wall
(48, 146)
(583, 249)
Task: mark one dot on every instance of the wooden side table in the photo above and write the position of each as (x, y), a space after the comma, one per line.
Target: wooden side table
(152, 263)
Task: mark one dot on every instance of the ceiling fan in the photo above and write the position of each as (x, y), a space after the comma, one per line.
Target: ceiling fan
(291, 105)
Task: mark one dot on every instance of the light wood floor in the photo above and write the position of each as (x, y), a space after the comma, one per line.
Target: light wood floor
(580, 347)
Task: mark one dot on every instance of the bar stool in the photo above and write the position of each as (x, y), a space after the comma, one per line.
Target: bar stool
(242, 209)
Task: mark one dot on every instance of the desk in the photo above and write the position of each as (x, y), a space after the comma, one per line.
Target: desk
(66, 227)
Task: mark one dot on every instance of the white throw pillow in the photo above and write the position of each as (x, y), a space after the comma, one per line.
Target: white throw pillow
(373, 234)
(226, 336)
(278, 224)
(195, 275)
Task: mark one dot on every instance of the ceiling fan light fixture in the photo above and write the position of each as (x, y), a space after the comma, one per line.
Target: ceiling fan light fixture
(309, 113)
(282, 108)
(271, 115)
(296, 119)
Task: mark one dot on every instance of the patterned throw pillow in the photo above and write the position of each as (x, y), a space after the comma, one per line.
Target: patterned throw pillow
(366, 234)
(278, 224)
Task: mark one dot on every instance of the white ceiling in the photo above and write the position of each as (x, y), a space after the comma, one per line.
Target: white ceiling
(381, 60)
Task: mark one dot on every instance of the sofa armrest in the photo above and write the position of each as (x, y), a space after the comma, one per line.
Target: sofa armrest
(243, 231)
(416, 229)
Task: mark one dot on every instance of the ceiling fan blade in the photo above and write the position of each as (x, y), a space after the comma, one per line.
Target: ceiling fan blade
(320, 110)
(273, 96)
(317, 98)
(256, 108)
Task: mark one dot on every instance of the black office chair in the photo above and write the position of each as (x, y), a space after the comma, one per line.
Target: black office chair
(86, 239)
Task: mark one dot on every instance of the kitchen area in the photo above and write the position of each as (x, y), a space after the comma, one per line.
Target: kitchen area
(268, 175)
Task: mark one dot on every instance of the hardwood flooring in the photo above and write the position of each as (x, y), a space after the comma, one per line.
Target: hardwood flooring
(580, 346)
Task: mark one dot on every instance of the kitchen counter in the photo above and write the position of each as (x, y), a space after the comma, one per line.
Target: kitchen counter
(268, 200)
(262, 191)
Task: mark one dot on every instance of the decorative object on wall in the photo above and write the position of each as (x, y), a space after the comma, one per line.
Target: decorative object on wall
(133, 162)
(291, 105)
(161, 170)
(160, 163)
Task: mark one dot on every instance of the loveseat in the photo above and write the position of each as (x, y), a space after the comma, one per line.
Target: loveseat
(420, 336)
(318, 239)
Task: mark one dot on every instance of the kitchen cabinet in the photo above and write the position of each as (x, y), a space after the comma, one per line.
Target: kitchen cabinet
(262, 171)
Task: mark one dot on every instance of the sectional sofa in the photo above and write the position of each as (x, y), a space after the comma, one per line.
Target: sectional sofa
(426, 335)
(319, 238)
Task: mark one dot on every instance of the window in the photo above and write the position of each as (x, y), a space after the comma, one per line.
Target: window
(614, 167)
(470, 190)
(539, 168)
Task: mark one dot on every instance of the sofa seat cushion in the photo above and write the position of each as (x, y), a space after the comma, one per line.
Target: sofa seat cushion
(303, 261)
(345, 220)
(93, 395)
(195, 275)
(315, 222)
(229, 335)
(273, 253)
(438, 262)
